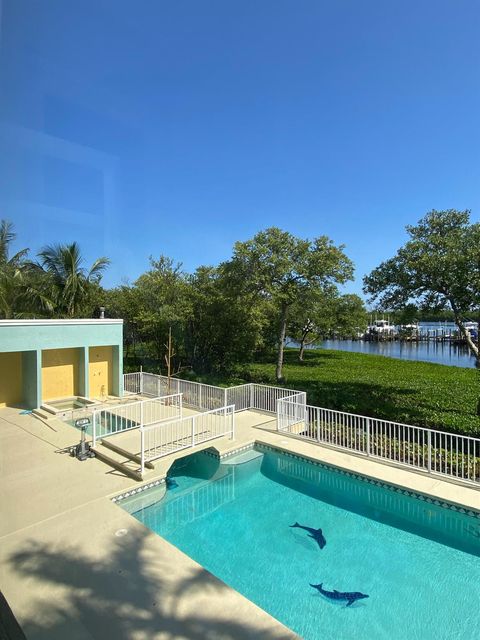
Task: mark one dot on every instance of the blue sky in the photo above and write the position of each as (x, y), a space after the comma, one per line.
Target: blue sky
(142, 128)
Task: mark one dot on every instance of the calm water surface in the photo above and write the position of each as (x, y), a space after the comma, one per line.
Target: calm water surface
(418, 562)
(427, 351)
(438, 352)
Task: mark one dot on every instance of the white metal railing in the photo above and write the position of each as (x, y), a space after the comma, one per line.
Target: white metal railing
(108, 421)
(265, 398)
(205, 397)
(240, 396)
(201, 396)
(291, 411)
(131, 382)
(159, 440)
(436, 452)
(196, 395)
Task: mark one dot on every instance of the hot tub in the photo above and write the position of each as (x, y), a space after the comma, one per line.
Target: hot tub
(63, 405)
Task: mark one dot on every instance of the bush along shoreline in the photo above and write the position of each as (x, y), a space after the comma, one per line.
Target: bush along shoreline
(418, 393)
(440, 457)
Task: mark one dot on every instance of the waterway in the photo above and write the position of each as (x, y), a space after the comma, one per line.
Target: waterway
(425, 351)
(438, 352)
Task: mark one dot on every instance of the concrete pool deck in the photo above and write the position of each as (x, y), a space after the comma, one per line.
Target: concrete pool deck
(74, 565)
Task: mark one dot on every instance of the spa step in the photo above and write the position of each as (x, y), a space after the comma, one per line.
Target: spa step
(47, 410)
(43, 414)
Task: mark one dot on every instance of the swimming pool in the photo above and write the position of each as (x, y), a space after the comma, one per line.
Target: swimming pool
(419, 562)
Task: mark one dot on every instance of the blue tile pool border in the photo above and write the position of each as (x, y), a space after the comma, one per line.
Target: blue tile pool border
(213, 453)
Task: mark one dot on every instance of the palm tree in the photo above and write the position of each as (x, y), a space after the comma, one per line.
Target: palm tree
(70, 283)
(12, 274)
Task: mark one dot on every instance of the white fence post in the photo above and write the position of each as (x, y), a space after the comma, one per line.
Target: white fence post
(252, 394)
(368, 436)
(233, 423)
(141, 413)
(429, 460)
(94, 429)
(193, 431)
(142, 450)
(141, 381)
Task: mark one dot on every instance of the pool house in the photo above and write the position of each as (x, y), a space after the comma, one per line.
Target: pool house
(60, 363)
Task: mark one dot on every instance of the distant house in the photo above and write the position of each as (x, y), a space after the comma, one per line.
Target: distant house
(50, 360)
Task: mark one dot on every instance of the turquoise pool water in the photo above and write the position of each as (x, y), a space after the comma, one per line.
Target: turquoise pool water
(418, 562)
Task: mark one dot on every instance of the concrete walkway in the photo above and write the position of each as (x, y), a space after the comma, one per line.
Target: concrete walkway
(74, 565)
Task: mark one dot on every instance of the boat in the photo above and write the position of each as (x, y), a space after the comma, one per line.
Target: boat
(380, 329)
(409, 331)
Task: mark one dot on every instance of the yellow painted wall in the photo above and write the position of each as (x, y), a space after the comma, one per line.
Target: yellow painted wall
(100, 370)
(59, 373)
(10, 379)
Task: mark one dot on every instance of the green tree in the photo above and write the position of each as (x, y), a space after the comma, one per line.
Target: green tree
(161, 295)
(311, 318)
(438, 268)
(12, 282)
(226, 326)
(326, 314)
(21, 292)
(350, 316)
(283, 269)
(69, 285)
(124, 302)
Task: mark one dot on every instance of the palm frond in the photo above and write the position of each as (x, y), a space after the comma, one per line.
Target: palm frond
(97, 269)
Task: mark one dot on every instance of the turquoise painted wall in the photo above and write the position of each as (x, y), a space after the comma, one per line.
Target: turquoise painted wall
(29, 337)
(32, 337)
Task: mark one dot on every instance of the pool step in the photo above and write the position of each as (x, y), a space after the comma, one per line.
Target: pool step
(120, 463)
(241, 458)
(126, 454)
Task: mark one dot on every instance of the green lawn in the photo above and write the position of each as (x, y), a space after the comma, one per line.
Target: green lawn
(418, 393)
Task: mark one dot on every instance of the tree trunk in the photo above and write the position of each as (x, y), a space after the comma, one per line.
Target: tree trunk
(302, 349)
(474, 350)
(477, 363)
(281, 342)
(304, 343)
(168, 359)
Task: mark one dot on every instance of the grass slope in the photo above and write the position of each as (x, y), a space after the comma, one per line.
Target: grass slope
(419, 393)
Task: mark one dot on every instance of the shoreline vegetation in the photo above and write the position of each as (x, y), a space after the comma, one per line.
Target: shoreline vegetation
(228, 323)
(418, 393)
